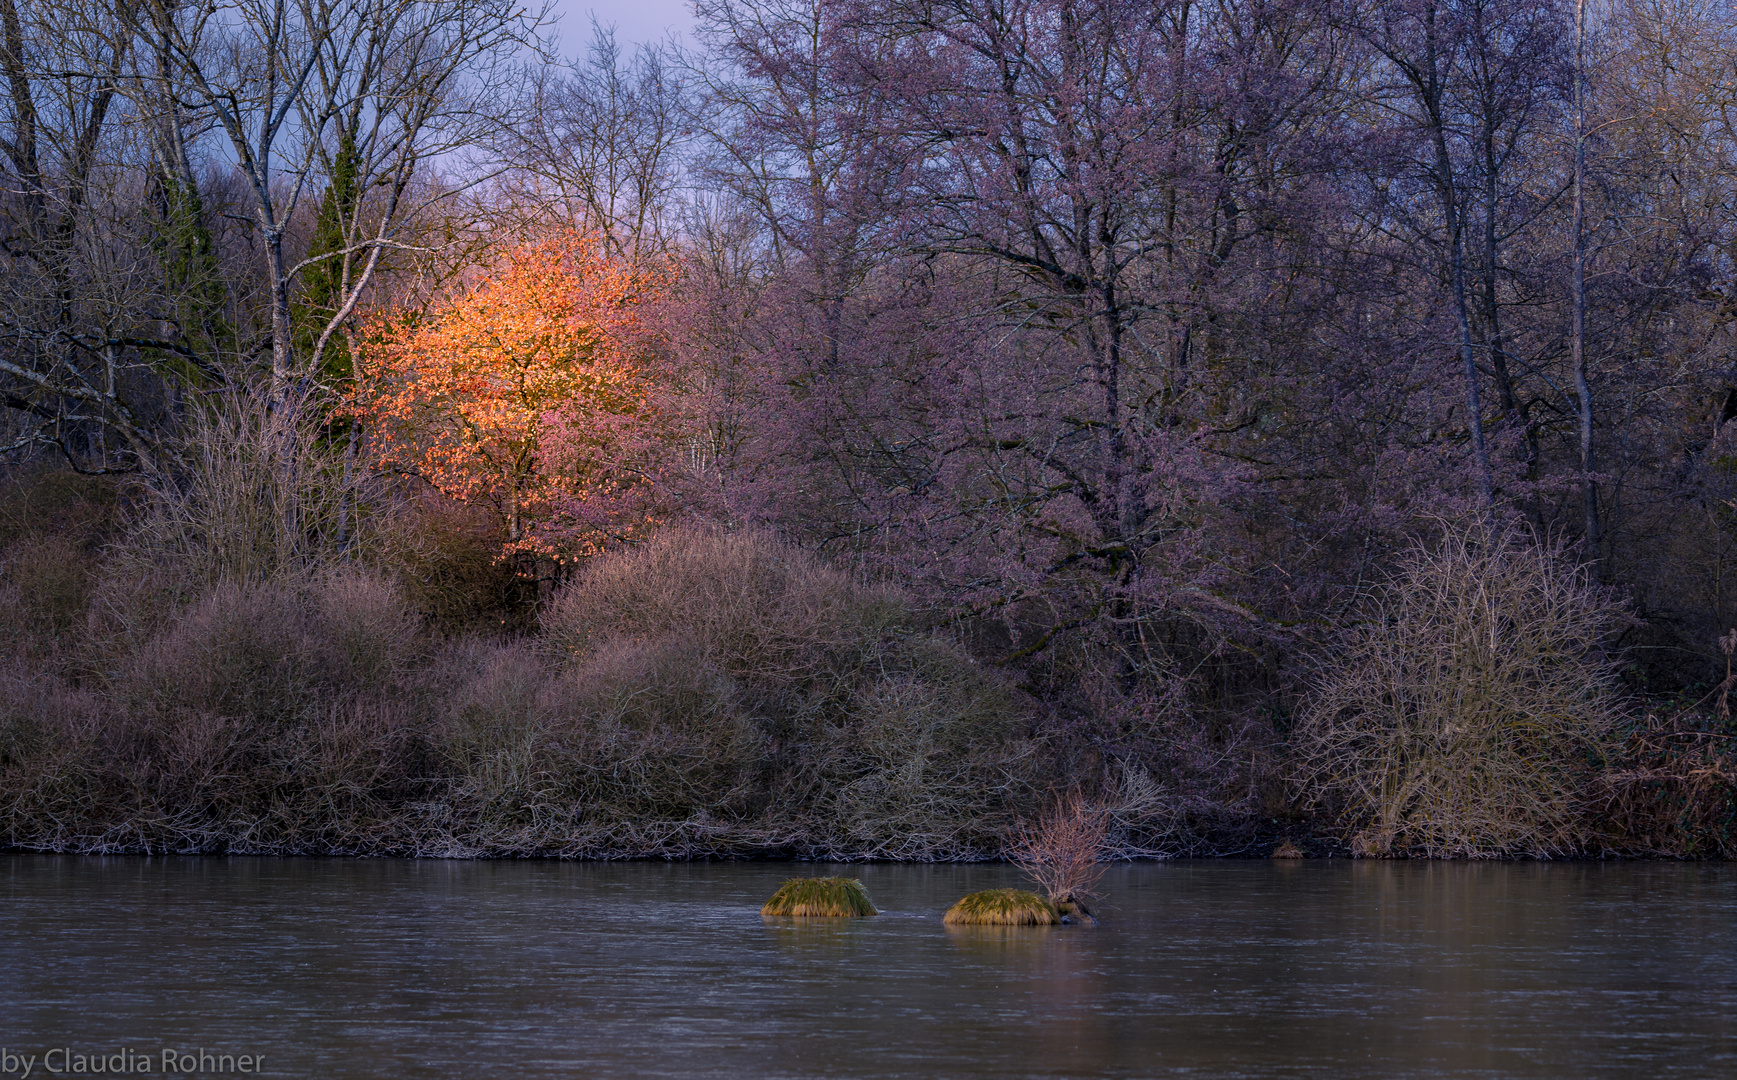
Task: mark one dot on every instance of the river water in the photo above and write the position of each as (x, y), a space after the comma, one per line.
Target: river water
(385, 968)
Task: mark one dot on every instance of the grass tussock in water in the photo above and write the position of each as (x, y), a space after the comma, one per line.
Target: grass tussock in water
(827, 896)
(1002, 907)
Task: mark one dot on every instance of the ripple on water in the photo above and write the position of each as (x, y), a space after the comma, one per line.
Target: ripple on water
(364, 968)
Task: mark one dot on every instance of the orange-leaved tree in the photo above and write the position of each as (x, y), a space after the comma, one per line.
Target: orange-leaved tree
(527, 392)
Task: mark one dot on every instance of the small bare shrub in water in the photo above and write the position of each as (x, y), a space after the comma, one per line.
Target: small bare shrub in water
(1063, 852)
(1463, 714)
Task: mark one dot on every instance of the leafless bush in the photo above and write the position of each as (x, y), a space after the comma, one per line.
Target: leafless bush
(757, 604)
(1462, 715)
(1173, 781)
(274, 652)
(239, 651)
(1670, 789)
(52, 527)
(499, 748)
(782, 709)
(664, 713)
(252, 496)
(196, 781)
(447, 554)
(1063, 852)
(82, 773)
(47, 732)
(369, 633)
(45, 582)
(781, 695)
(931, 757)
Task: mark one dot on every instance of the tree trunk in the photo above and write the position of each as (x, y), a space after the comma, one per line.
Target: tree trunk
(1582, 390)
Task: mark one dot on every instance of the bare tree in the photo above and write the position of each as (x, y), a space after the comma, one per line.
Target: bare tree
(366, 92)
(1469, 84)
(1577, 333)
(69, 325)
(602, 145)
(115, 297)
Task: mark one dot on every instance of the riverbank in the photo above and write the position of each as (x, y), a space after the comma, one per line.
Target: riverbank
(707, 695)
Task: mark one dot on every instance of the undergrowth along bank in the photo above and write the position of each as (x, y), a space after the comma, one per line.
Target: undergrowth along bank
(715, 694)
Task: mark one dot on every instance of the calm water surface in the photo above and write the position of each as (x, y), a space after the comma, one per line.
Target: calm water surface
(377, 968)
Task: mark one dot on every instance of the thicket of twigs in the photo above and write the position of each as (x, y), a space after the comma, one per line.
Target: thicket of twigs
(715, 693)
(424, 428)
(1473, 709)
(1064, 851)
(708, 694)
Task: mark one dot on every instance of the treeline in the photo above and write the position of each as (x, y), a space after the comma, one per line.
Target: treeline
(1293, 419)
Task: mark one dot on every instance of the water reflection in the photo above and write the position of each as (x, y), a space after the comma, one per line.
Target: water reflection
(367, 968)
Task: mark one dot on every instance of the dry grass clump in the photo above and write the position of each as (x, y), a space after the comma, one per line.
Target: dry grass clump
(1002, 907)
(825, 896)
(1463, 715)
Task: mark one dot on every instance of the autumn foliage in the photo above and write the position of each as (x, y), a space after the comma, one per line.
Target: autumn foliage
(528, 392)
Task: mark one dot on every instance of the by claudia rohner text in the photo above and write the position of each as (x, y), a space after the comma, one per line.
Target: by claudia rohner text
(62, 1060)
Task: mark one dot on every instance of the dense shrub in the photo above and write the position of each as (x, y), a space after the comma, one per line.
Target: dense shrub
(1467, 710)
(725, 693)
(275, 653)
(448, 556)
(712, 693)
(263, 717)
(743, 681)
(1671, 788)
(253, 495)
(50, 742)
(708, 694)
(52, 528)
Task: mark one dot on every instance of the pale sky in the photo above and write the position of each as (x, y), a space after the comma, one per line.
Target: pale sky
(636, 21)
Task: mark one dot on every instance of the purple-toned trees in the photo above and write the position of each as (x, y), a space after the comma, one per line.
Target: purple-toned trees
(1466, 93)
(1019, 256)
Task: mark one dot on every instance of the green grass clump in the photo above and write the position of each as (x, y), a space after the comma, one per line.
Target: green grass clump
(820, 896)
(1002, 907)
